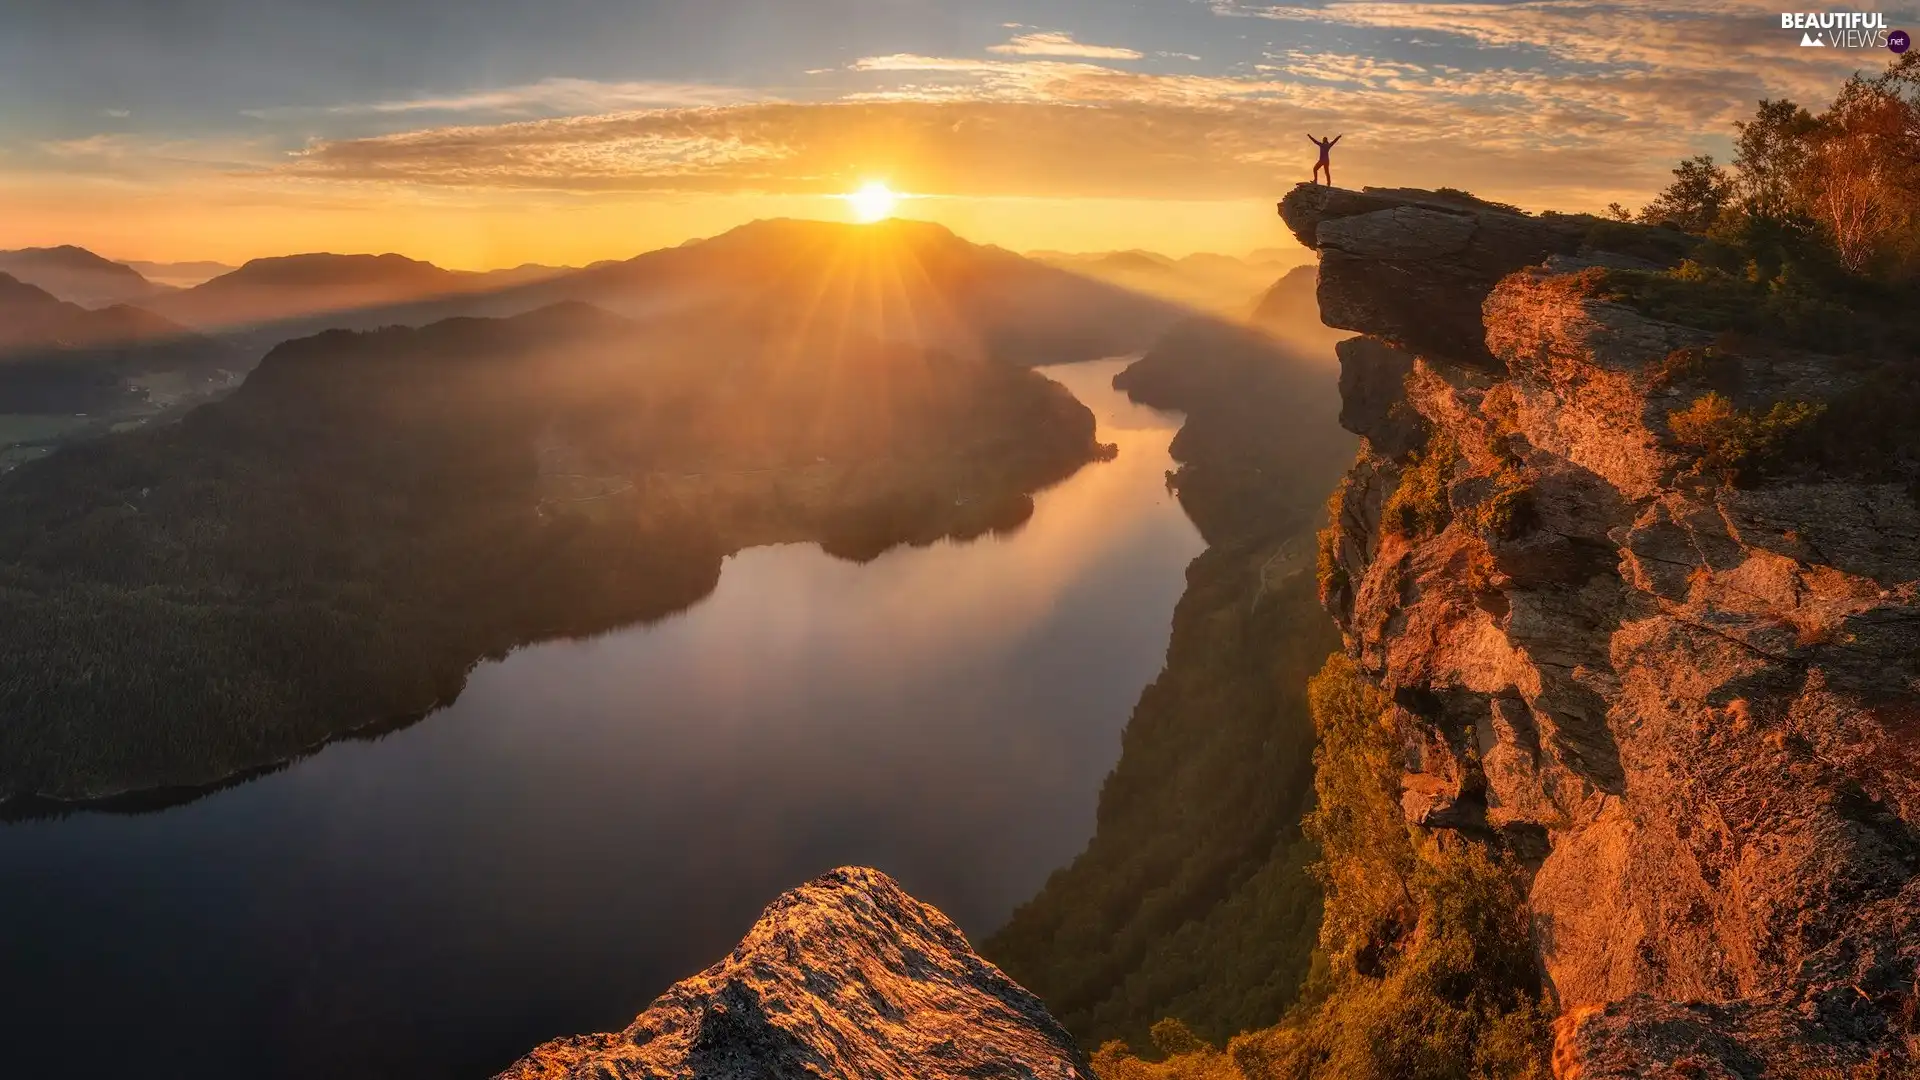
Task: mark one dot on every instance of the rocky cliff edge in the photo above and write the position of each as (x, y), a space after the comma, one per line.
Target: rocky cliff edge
(1688, 711)
(845, 976)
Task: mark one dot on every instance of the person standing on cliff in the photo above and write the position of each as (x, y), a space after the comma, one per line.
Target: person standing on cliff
(1326, 159)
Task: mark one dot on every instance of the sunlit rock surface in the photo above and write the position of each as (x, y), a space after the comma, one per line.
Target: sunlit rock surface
(845, 976)
(1690, 712)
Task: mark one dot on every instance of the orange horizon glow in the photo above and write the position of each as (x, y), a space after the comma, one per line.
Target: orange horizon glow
(234, 226)
(1172, 133)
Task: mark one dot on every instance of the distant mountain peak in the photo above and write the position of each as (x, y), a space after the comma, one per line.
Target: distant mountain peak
(327, 268)
(76, 274)
(67, 255)
(286, 286)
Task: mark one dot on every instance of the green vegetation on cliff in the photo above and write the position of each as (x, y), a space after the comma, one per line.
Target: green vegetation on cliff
(1193, 899)
(1425, 968)
(1810, 240)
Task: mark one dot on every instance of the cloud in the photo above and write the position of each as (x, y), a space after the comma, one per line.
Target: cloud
(117, 114)
(555, 96)
(1141, 147)
(1022, 148)
(1052, 80)
(141, 149)
(1058, 43)
(1739, 40)
(1553, 76)
(661, 150)
(123, 158)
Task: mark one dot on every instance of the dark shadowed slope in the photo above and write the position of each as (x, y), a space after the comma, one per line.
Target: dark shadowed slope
(31, 317)
(58, 357)
(1290, 305)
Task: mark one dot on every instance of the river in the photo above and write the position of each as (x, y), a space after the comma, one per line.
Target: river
(593, 820)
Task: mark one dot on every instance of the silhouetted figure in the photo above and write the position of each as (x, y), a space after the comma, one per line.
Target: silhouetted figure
(1326, 161)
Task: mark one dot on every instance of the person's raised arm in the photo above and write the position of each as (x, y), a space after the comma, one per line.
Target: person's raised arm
(1313, 140)
(1336, 139)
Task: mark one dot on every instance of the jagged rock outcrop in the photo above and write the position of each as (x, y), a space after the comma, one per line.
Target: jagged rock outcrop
(845, 976)
(1691, 711)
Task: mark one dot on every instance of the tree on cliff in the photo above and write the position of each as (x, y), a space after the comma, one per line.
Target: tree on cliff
(1864, 180)
(1846, 180)
(1700, 191)
(1770, 157)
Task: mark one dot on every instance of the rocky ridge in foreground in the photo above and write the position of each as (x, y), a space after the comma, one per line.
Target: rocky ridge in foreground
(845, 976)
(1686, 709)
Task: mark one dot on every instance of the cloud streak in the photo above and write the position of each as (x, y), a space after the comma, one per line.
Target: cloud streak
(1057, 43)
(1738, 40)
(1141, 148)
(555, 96)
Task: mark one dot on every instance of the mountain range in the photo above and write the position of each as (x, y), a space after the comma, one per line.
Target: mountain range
(899, 281)
(215, 296)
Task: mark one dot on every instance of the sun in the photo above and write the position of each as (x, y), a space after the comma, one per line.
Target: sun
(874, 201)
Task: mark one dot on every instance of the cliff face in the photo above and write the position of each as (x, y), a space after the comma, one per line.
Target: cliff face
(1688, 710)
(846, 975)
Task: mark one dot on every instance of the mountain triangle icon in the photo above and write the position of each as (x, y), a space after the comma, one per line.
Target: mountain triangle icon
(1809, 39)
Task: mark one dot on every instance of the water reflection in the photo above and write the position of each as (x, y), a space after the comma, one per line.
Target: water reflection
(593, 820)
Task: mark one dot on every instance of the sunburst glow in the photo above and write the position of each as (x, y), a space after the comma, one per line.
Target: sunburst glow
(873, 202)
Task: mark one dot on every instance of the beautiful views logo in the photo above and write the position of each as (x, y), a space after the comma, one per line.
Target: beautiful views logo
(1844, 30)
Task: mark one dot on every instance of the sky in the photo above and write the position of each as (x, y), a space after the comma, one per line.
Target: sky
(484, 133)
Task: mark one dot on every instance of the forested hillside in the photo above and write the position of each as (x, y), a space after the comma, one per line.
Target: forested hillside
(338, 542)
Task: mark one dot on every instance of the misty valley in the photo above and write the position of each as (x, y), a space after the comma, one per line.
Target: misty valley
(591, 820)
(477, 662)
